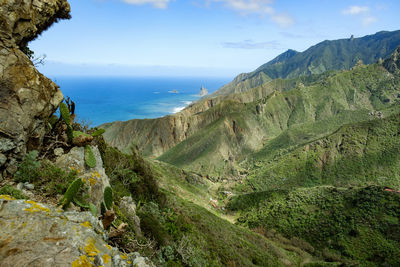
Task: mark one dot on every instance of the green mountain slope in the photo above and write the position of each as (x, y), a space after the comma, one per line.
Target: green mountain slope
(328, 55)
(357, 226)
(355, 154)
(179, 227)
(287, 118)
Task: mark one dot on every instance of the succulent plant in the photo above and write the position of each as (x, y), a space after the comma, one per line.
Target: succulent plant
(93, 209)
(98, 132)
(102, 208)
(108, 197)
(65, 113)
(90, 159)
(78, 133)
(79, 203)
(71, 192)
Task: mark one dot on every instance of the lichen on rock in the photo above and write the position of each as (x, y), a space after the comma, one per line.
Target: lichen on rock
(27, 98)
(34, 234)
(96, 179)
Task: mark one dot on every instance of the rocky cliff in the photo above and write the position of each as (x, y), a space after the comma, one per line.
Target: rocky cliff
(27, 98)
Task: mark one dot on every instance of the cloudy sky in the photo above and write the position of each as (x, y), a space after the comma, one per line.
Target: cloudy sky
(200, 37)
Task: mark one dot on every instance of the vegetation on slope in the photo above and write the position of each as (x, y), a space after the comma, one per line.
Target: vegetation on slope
(294, 116)
(178, 232)
(354, 155)
(355, 226)
(340, 54)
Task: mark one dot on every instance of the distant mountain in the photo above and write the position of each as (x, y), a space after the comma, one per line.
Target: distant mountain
(213, 135)
(340, 54)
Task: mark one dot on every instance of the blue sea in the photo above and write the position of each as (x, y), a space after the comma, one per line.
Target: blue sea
(105, 99)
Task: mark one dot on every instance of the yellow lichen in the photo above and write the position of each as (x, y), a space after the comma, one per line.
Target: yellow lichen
(35, 207)
(91, 249)
(82, 261)
(129, 262)
(24, 224)
(7, 197)
(108, 246)
(124, 257)
(87, 224)
(92, 181)
(91, 258)
(106, 258)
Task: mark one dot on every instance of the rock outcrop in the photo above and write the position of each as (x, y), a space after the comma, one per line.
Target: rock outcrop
(203, 91)
(27, 98)
(33, 234)
(128, 207)
(392, 64)
(96, 179)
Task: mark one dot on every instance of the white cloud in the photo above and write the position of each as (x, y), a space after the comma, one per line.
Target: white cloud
(155, 3)
(355, 10)
(369, 20)
(361, 12)
(283, 20)
(261, 7)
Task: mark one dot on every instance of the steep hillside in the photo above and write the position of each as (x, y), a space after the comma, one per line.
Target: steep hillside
(357, 226)
(356, 154)
(303, 114)
(328, 55)
(244, 122)
(179, 226)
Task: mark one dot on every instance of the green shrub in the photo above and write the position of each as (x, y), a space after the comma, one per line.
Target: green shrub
(28, 168)
(152, 228)
(53, 180)
(11, 191)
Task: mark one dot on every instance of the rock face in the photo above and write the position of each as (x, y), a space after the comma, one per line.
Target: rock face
(96, 178)
(392, 64)
(33, 234)
(27, 98)
(128, 207)
(203, 91)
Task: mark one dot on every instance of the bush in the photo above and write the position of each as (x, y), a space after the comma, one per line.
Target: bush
(28, 168)
(11, 191)
(54, 180)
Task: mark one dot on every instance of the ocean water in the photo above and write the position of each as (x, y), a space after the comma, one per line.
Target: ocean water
(105, 99)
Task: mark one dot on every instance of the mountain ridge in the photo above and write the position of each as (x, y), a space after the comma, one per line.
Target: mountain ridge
(324, 56)
(241, 123)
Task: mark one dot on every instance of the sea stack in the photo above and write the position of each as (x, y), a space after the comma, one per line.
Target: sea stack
(203, 91)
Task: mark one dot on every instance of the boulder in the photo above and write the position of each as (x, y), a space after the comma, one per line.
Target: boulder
(128, 208)
(33, 234)
(27, 98)
(96, 178)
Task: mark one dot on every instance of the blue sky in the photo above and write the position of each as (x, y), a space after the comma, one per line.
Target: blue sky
(199, 37)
